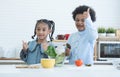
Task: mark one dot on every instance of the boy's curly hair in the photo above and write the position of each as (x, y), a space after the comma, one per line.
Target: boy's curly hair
(83, 8)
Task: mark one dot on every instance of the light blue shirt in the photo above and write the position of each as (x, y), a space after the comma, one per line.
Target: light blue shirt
(82, 43)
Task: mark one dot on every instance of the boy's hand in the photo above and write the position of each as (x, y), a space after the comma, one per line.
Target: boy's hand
(68, 46)
(67, 51)
(86, 14)
(25, 45)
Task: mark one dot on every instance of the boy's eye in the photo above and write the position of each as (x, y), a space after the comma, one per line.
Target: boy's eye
(82, 20)
(77, 20)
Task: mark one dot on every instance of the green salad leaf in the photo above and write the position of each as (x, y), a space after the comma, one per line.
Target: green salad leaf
(51, 52)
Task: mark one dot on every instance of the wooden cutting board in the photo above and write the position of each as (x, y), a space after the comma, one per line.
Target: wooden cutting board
(28, 66)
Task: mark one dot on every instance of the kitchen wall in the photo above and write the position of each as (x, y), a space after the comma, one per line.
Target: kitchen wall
(18, 18)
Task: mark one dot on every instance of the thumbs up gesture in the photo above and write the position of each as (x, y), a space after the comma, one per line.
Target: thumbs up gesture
(86, 14)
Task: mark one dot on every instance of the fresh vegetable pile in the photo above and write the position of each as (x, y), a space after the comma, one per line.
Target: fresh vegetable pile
(58, 54)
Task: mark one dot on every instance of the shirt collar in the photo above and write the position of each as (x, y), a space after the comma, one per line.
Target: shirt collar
(82, 32)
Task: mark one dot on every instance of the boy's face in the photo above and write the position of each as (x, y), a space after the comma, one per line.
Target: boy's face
(80, 22)
(42, 30)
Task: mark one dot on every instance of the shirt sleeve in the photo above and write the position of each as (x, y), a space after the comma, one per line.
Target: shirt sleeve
(91, 30)
(23, 55)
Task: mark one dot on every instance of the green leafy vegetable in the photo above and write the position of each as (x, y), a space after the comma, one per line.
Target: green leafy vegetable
(59, 58)
(51, 52)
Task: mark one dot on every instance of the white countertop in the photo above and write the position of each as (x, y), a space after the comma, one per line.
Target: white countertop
(65, 71)
(8, 62)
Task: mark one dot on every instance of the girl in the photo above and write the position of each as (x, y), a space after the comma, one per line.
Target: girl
(39, 48)
(82, 42)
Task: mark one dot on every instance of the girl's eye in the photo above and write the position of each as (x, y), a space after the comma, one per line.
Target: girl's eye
(38, 29)
(44, 29)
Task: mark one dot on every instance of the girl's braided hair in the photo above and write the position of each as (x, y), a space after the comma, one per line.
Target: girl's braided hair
(50, 24)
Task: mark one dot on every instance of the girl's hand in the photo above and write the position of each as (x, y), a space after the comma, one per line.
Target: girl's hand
(25, 45)
(86, 14)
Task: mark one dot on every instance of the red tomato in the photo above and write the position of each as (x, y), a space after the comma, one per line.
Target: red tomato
(78, 62)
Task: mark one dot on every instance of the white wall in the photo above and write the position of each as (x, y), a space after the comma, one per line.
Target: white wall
(18, 17)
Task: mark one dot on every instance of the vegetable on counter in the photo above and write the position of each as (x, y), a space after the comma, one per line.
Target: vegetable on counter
(79, 62)
(58, 54)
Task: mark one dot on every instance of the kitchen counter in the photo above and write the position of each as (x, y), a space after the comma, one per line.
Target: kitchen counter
(64, 71)
(8, 62)
(18, 62)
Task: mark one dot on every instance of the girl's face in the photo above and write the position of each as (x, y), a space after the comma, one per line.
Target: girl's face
(42, 31)
(80, 22)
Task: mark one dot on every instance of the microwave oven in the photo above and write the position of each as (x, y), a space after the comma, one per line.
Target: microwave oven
(108, 50)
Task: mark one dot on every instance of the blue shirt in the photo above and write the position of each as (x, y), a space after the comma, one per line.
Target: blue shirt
(82, 43)
(34, 53)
